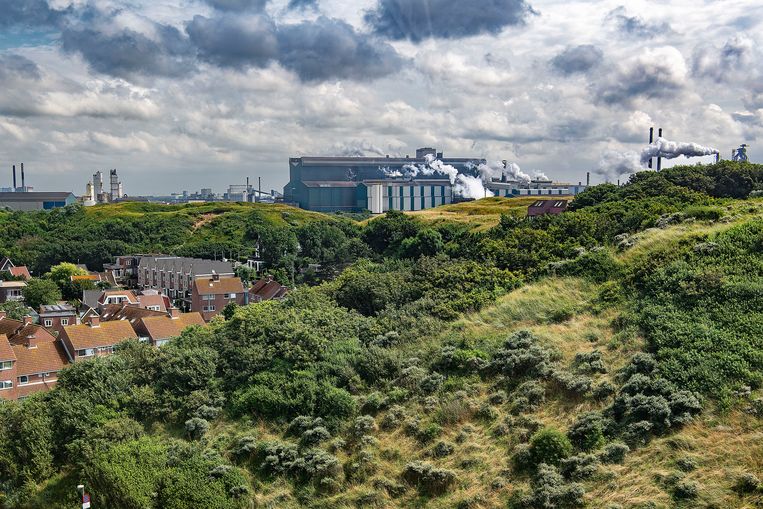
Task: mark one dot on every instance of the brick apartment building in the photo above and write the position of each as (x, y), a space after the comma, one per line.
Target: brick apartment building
(95, 338)
(30, 358)
(211, 294)
(55, 317)
(174, 276)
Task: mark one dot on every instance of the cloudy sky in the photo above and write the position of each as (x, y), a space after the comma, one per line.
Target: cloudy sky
(183, 94)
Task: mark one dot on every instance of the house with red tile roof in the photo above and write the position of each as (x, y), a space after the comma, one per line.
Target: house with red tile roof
(95, 338)
(17, 331)
(543, 207)
(160, 329)
(55, 317)
(8, 372)
(267, 288)
(6, 265)
(210, 295)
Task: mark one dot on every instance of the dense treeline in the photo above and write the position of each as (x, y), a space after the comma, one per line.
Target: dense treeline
(308, 381)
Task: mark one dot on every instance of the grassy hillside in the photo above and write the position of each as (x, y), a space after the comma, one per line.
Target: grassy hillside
(610, 357)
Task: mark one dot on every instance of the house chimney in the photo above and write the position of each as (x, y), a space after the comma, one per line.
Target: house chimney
(27, 320)
(651, 140)
(23, 186)
(215, 276)
(174, 313)
(95, 321)
(31, 341)
(14, 178)
(659, 159)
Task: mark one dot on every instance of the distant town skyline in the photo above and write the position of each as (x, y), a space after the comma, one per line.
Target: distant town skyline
(189, 94)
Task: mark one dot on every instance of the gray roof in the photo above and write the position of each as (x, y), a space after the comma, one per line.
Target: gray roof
(33, 196)
(90, 298)
(193, 266)
(57, 309)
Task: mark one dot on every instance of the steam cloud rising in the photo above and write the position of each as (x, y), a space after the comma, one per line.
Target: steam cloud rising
(615, 164)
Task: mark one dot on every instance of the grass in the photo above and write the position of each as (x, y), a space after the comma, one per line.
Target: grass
(479, 214)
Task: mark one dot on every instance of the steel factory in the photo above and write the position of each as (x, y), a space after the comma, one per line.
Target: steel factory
(379, 184)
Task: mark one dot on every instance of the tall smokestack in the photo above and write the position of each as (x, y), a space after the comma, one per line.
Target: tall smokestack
(259, 187)
(14, 178)
(659, 159)
(651, 140)
(23, 186)
(588, 178)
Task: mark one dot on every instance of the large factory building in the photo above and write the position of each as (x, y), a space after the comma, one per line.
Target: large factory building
(330, 184)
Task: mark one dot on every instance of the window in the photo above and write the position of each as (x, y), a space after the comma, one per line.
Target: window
(86, 352)
(6, 365)
(64, 321)
(23, 379)
(207, 297)
(6, 384)
(152, 308)
(143, 339)
(48, 322)
(230, 296)
(105, 349)
(209, 308)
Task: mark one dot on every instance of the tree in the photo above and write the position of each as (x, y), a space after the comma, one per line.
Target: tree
(14, 309)
(62, 274)
(41, 291)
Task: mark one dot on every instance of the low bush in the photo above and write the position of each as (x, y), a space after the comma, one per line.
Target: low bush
(577, 468)
(686, 490)
(614, 453)
(590, 362)
(196, 427)
(549, 446)
(587, 432)
(521, 356)
(427, 478)
(550, 490)
(747, 483)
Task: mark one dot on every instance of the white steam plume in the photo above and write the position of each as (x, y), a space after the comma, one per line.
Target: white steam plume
(614, 164)
(465, 186)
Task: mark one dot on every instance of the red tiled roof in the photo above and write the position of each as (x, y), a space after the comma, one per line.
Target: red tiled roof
(114, 312)
(208, 286)
(104, 334)
(6, 351)
(20, 271)
(267, 289)
(40, 333)
(164, 327)
(45, 358)
(153, 300)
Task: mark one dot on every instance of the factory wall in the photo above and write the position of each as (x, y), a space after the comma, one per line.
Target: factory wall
(408, 196)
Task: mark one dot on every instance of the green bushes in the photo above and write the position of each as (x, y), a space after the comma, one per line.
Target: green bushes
(549, 446)
(587, 433)
(427, 478)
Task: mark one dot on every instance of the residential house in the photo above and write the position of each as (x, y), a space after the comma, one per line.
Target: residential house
(34, 360)
(154, 300)
(6, 265)
(210, 295)
(8, 371)
(12, 290)
(117, 297)
(160, 329)
(124, 270)
(174, 276)
(56, 316)
(130, 314)
(267, 288)
(543, 207)
(95, 338)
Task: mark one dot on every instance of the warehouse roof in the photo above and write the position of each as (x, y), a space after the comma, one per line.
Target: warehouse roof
(34, 196)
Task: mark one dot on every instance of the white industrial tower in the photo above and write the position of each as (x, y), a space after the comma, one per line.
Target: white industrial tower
(116, 186)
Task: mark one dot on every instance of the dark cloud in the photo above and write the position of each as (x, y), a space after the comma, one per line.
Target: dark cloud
(328, 48)
(657, 74)
(239, 5)
(316, 50)
(29, 13)
(446, 19)
(730, 62)
(636, 26)
(302, 5)
(128, 53)
(234, 41)
(14, 67)
(578, 59)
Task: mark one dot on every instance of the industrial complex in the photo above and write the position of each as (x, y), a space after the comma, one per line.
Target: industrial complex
(379, 184)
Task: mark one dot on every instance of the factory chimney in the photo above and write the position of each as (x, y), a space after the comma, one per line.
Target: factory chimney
(14, 178)
(651, 140)
(588, 178)
(659, 159)
(259, 187)
(23, 186)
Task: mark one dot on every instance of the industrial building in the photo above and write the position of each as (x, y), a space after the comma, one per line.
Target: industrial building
(36, 201)
(536, 187)
(331, 184)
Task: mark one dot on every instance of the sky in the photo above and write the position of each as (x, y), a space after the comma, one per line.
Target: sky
(184, 94)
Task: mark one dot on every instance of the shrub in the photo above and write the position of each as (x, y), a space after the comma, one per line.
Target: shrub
(686, 464)
(196, 427)
(579, 467)
(363, 425)
(429, 433)
(549, 446)
(603, 391)
(360, 467)
(549, 490)
(590, 362)
(614, 453)
(427, 478)
(244, 447)
(587, 433)
(392, 418)
(302, 423)
(207, 412)
(747, 483)
(529, 395)
(575, 384)
(521, 356)
(686, 490)
(314, 436)
(442, 449)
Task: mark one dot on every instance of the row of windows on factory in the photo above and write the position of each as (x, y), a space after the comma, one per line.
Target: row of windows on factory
(405, 198)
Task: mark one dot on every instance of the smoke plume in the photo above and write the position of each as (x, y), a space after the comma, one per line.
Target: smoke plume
(613, 164)
(466, 186)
